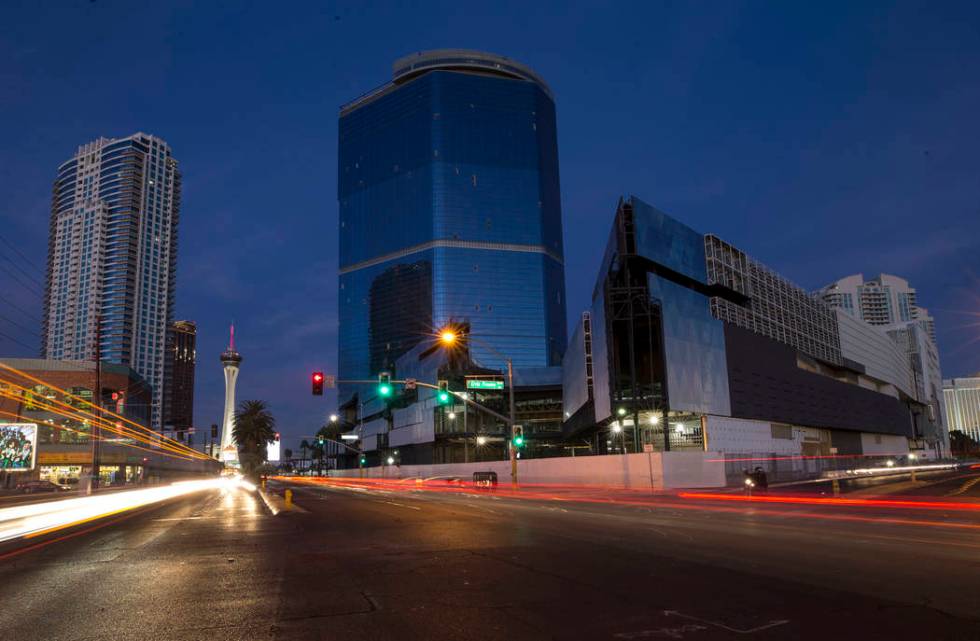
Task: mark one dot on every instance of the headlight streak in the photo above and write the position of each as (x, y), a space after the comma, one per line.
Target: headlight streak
(35, 519)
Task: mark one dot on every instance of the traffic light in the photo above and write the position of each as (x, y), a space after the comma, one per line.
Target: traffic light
(443, 396)
(384, 385)
(322, 441)
(517, 437)
(317, 383)
(363, 460)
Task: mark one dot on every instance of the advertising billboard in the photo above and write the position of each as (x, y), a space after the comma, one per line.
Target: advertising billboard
(18, 446)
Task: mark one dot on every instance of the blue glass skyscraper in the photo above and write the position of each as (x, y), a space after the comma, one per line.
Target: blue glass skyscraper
(450, 212)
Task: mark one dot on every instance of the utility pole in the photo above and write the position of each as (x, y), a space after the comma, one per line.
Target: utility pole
(94, 432)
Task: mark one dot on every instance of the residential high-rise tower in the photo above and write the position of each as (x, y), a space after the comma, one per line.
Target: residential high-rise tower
(450, 212)
(112, 254)
(882, 300)
(178, 387)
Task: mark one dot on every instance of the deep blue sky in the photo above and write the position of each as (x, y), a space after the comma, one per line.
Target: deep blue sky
(824, 140)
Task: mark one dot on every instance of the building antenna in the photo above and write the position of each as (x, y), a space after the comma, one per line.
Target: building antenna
(231, 343)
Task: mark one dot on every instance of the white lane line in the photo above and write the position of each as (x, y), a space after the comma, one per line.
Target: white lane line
(411, 507)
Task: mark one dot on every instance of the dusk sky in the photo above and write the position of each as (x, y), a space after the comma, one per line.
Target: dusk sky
(824, 140)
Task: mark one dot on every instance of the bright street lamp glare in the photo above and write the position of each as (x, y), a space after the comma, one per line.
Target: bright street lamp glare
(621, 411)
(481, 440)
(654, 419)
(333, 418)
(391, 460)
(452, 415)
(448, 337)
(617, 429)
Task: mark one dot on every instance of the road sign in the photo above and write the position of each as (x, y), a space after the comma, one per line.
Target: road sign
(410, 384)
(476, 383)
(330, 381)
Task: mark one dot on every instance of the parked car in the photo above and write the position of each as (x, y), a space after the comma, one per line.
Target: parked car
(32, 487)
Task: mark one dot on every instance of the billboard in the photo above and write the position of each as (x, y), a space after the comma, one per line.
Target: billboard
(18, 446)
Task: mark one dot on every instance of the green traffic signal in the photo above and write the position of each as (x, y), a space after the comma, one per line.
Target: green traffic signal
(442, 396)
(518, 441)
(384, 385)
(363, 460)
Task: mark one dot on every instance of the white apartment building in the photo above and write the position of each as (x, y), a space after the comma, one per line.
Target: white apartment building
(112, 254)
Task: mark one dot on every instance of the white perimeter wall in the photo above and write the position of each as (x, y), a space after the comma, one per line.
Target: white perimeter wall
(884, 444)
(737, 436)
(653, 470)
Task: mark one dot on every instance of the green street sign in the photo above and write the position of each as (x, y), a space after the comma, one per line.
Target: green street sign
(482, 384)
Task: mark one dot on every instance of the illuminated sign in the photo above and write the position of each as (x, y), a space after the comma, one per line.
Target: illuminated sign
(272, 451)
(472, 383)
(18, 446)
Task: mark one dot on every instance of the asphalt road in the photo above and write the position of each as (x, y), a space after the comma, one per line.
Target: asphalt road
(390, 562)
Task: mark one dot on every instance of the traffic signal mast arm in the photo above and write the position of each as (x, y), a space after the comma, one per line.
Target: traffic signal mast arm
(324, 439)
(465, 399)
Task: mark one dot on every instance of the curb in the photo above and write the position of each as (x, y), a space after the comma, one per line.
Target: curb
(277, 504)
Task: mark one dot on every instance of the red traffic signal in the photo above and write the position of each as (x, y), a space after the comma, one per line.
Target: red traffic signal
(317, 383)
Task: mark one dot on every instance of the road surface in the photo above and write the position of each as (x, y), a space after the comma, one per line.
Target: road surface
(391, 562)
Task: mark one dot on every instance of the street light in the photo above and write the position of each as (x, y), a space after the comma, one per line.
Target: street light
(452, 416)
(391, 460)
(481, 440)
(333, 418)
(449, 336)
(621, 411)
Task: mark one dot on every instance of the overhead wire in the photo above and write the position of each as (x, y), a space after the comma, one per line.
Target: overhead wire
(19, 253)
(19, 309)
(27, 286)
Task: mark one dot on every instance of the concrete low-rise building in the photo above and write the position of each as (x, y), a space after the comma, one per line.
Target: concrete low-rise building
(690, 344)
(64, 450)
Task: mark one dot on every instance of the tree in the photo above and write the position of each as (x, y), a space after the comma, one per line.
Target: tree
(303, 447)
(288, 453)
(254, 428)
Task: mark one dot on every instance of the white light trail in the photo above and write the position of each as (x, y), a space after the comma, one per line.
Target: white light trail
(897, 468)
(36, 519)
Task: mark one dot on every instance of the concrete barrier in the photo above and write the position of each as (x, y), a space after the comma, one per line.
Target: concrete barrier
(645, 471)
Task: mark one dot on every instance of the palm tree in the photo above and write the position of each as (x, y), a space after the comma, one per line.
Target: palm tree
(303, 446)
(254, 428)
(289, 454)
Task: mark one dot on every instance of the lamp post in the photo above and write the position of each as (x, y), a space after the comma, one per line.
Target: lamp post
(449, 337)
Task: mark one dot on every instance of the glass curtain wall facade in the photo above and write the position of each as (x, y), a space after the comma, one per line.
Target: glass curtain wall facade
(112, 255)
(450, 212)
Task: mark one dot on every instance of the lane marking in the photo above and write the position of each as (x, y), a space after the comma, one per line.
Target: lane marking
(966, 486)
(411, 507)
(760, 628)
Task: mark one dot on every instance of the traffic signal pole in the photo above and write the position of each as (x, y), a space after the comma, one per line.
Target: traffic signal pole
(513, 450)
(466, 400)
